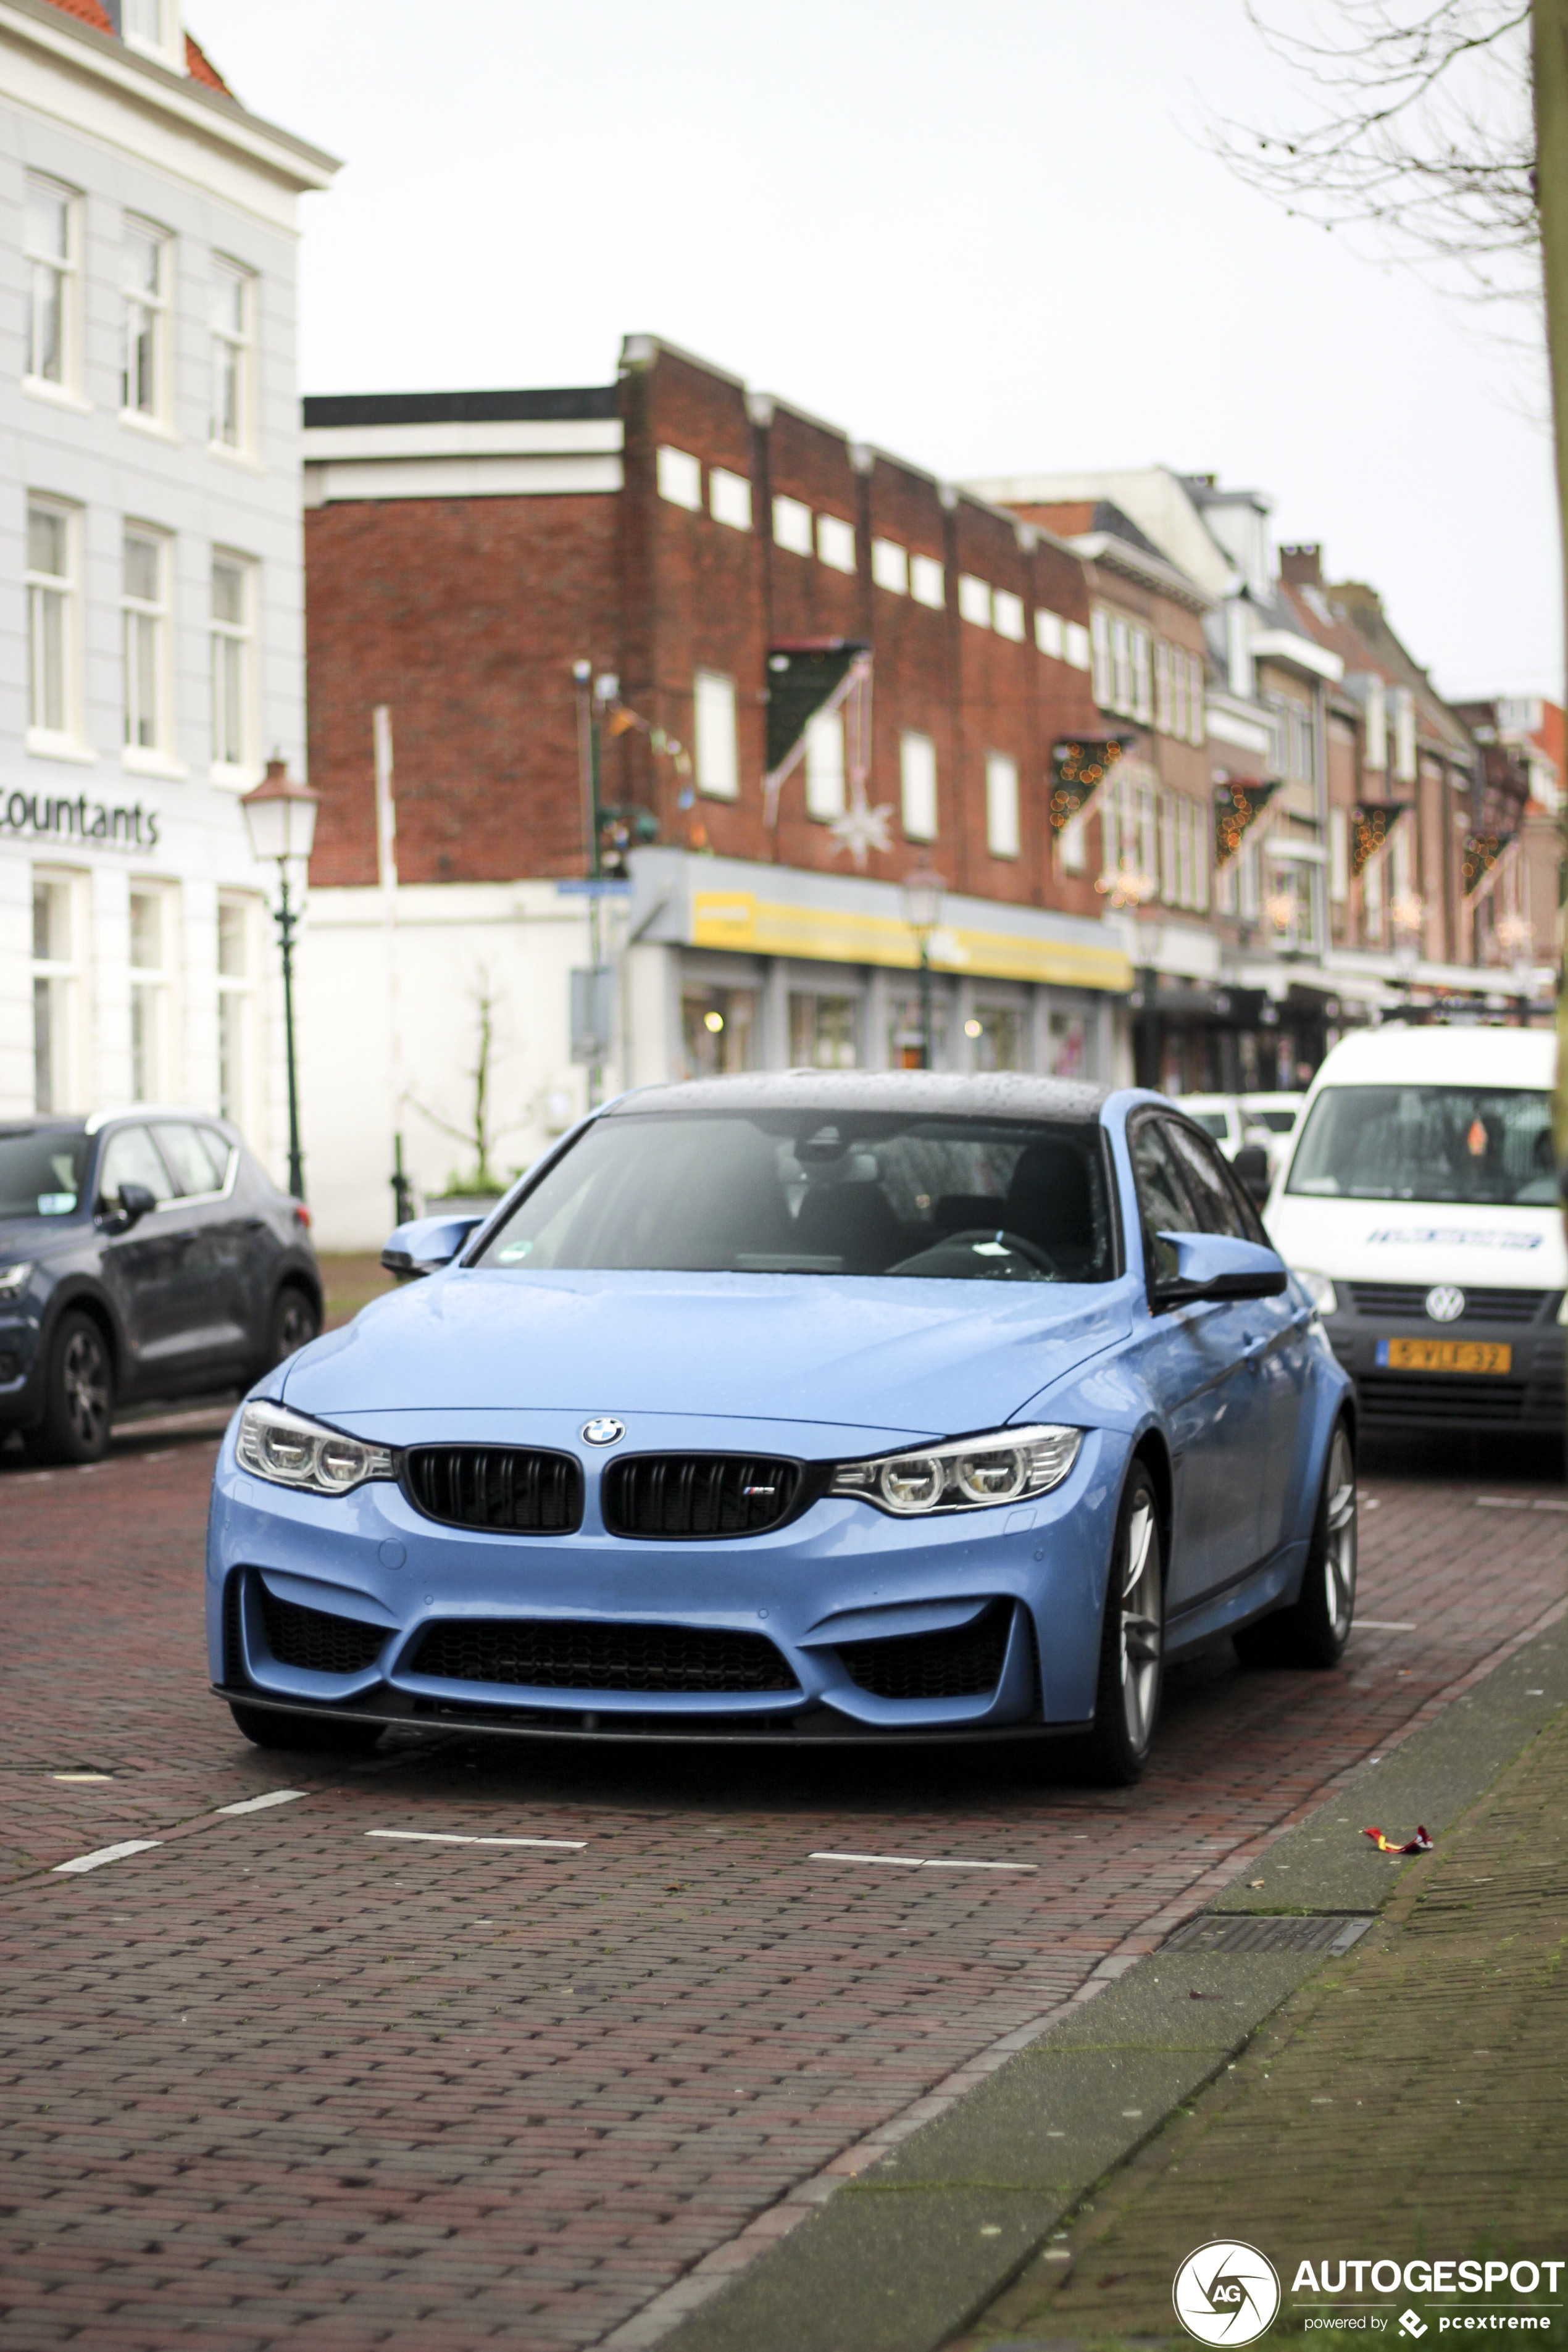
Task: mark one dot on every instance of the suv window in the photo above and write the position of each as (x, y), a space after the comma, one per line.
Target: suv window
(198, 1159)
(128, 1158)
(1162, 1202)
(1212, 1195)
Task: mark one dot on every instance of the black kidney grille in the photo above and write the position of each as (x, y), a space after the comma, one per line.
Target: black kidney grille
(501, 1487)
(697, 1494)
(547, 1654)
(965, 1663)
(309, 1637)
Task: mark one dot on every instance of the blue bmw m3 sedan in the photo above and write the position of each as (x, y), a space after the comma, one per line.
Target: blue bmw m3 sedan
(804, 1407)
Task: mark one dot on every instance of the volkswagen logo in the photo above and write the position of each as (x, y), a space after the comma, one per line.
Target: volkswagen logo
(1445, 1302)
(602, 1431)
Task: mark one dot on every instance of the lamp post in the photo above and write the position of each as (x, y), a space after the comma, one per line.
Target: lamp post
(923, 891)
(280, 818)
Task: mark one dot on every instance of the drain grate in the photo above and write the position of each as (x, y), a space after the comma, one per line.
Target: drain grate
(1214, 1931)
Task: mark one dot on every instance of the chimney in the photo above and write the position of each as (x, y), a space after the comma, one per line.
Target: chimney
(1302, 566)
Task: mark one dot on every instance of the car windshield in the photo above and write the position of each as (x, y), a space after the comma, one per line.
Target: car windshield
(1472, 1144)
(797, 1193)
(42, 1170)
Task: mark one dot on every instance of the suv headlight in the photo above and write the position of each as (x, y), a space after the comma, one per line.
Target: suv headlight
(290, 1451)
(13, 1279)
(1319, 1290)
(1002, 1467)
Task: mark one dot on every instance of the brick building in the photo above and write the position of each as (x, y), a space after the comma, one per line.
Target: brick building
(715, 561)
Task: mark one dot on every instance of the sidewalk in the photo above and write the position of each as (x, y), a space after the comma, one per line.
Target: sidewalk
(1410, 2100)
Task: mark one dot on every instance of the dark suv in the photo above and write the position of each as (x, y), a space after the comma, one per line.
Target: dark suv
(141, 1257)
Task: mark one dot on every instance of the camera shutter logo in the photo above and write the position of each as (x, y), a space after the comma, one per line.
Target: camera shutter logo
(1226, 2293)
(1445, 1302)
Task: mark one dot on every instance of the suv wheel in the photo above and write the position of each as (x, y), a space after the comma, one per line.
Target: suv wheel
(78, 1393)
(295, 1323)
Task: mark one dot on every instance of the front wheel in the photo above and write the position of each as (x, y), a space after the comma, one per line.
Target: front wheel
(79, 1394)
(1315, 1631)
(1131, 1641)
(267, 1727)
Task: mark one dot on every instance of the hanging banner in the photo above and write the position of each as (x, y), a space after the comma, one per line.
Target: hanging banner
(1077, 771)
(1237, 806)
(804, 678)
(1482, 851)
(1372, 822)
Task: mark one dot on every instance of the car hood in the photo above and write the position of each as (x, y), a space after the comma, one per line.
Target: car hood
(38, 1237)
(903, 1357)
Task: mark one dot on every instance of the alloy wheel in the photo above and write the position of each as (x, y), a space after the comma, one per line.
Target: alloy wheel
(1142, 1630)
(1340, 1546)
(84, 1379)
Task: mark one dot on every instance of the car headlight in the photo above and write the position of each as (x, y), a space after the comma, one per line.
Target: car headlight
(13, 1277)
(290, 1451)
(1002, 1467)
(1319, 1290)
(1562, 1310)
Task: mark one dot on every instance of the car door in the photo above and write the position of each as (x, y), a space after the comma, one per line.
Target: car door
(142, 1268)
(210, 1334)
(1208, 1391)
(1274, 1333)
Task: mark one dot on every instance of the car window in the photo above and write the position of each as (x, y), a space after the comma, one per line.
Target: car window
(1212, 1200)
(1473, 1145)
(1278, 1122)
(198, 1159)
(128, 1158)
(41, 1171)
(1162, 1202)
(1212, 1122)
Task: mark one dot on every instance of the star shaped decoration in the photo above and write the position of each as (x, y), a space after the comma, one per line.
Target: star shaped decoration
(862, 829)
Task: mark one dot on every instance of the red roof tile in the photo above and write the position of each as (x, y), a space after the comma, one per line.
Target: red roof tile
(86, 12)
(200, 66)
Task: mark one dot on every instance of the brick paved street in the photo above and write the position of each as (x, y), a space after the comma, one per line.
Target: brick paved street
(275, 2079)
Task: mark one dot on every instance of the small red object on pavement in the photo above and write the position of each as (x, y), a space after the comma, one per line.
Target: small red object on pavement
(1419, 1843)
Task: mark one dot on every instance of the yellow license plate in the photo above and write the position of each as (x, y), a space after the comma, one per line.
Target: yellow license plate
(1444, 1356)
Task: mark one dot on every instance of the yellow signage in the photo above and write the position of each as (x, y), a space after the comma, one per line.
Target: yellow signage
(753, 926)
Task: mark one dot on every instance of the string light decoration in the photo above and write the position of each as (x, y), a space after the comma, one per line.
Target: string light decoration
(1482, 851)
(1077, 771)
(1237, 805)
(1372, 822)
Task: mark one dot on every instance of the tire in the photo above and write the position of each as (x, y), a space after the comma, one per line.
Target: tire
(295, 1323)
(1314, 1632)
(267, 1726)
(1131, 1642)
(79, 1394)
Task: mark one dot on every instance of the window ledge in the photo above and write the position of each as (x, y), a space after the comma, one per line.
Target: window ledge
(137, 762)
(231, 778)
(59, 395)
(240, 457)
(137, 421)
(41, 745)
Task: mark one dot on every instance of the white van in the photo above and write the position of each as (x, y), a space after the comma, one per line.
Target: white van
(1418, 1202)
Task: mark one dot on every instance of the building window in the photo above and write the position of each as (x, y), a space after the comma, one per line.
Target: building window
(54, 990)
(718, 1031)
(792, 525)
(995, 1032)
(836, 543)
(974, 600)
(52, 239)
(145, 627)
(1303, 743)
(730, 499)
(1073, 843)
(822, 1032)
(233, 661)
(1104, 687)
(917, 785)
(891, 566)
(1375, 755)
(1164, 712)
(1197, 727)
(1120, 666)
(1076, 645)
(1148, 834)
(1178, 694)
(148, 984)
(1200, 857)
(680, 479)
(1339, 856)
(1141, 697)
(1248, 886)
(1372, 901)
(235, 995)
(928, 582)
(153, 26)
(1066, 1045)
(233, 303)
(1001, 804)
(906, 1031)
(51, 622)
(718, 764)
(1169, 850)
(1007, 614)
(1403, 703)
(144, 365)
(825, 765)
(1050, 634)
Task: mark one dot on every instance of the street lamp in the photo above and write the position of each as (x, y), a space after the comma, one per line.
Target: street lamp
(280, 818)
(924, 892)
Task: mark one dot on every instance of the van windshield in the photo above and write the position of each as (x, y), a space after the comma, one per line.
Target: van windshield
(1470, 1144)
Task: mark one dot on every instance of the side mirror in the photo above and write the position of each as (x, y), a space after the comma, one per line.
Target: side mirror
(1211, 1265)
(136, 1201)
(1251, 1168)
(425, 1244)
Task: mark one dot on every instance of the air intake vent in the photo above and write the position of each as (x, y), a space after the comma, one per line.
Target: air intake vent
(1213, 1931)
(1434, 1397)
(499, 1488)
(689, 1495)
(309, 1637)
(552, 1655)
(963, 1664)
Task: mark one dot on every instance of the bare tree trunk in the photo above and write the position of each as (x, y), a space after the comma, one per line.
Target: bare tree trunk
(1549, 57)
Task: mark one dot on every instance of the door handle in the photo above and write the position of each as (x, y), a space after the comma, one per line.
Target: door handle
(1253, 1352)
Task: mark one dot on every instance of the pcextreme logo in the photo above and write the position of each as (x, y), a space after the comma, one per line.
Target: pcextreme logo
(1226, 2293)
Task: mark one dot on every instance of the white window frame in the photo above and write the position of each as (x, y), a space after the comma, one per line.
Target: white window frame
(150, 987)
(233, 350)
(1100, 636)
(1073, 842)
(1003, 834)
(64, 741)
(1197, 715)
(714, 733)
(65, 268)
(891, 566)
(928, 582)
(145, 619)
(146, 311)
(679, 477)
(1121, 663)
(1169, 871)
(974, 600)
(1374, 755)
(729, 499)
(1077, 650)
(224, 667)
(1140, 697)
(167, 44)
(1007, 615)
(1050, 634)
(237, 1010)
(826, 790)
(917, 785)
(836, 542)
(1339, 856)
(1164, 697)
(792, 525)
(1404, 713)
(61, 977)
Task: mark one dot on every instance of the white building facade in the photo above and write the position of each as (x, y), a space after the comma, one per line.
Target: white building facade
(152, 617)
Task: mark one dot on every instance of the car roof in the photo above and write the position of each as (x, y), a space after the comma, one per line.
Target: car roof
(43, 1123)
(1397, 1054)
(1000, 1094)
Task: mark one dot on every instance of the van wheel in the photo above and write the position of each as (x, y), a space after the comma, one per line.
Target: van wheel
(1315, 1631)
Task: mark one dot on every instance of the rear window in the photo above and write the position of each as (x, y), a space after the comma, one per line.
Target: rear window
(1278, 1122)
(1212, 1122)
(42, 1172)
(1467, 1144)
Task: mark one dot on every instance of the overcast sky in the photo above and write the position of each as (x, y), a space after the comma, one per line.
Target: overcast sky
(989, 237)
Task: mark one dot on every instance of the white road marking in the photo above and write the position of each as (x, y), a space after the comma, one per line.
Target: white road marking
(1548, 1507)
(259, 1804)
(917, 1861)
(1382, 1625)
(104, 1853)
(1502, 1502)
(81, 1776)
(445, 1837)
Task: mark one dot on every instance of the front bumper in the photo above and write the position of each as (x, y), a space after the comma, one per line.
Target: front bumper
(845, 1623)
(1531, 1396)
